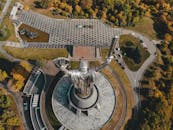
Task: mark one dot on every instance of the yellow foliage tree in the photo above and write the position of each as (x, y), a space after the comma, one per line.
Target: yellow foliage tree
(19, 81)
(26, 65)
(78, 9)
(3, 75)
(68, 8)
(13, 121)
(168, 37)
(86, 4)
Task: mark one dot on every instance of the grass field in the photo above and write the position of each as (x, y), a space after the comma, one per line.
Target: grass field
(123, 77)
(5, 32)
(145, 27)
(94, 64)
(36, 54)
(9, 24)
(136, 43)
(42, 36)
(117, 69)
(116, 115)
(74, 64)
(2, 3)
(111, 124)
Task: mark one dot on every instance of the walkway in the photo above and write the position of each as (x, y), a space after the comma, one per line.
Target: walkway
(6, 55)
(18, 100)
(4, 11)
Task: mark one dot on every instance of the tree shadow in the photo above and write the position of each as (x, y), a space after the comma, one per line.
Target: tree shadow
(159, 27)
(49, 88)
(134, 122)
(6, 65)
(69, 49)
(33, 62)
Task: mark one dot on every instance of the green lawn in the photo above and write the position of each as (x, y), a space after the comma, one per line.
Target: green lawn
(9, 24)
(116, 68)
(74, 64)
(36, 53)
(104, 52)
(136, 45)
(42, 36)
(5, 33)
(92, 64)
(145, 27)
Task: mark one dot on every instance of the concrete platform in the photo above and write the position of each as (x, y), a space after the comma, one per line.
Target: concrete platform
(96, 118)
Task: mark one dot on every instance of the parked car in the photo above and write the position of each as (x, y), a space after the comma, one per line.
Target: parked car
(25, 106)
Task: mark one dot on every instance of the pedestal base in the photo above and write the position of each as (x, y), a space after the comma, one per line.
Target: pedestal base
(95, 118)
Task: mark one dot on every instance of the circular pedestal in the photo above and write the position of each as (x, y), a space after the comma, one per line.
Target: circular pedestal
(96, 117)
(83, 104)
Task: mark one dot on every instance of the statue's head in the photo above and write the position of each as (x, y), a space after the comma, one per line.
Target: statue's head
(83, 66)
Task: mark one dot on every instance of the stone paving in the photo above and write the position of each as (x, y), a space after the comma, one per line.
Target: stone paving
(87, 32)
(96, 117)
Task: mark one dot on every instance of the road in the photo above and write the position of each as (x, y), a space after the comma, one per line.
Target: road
(136, 76)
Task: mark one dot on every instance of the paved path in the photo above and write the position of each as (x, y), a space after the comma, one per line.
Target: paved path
(136, 76)
(70, 31)
(18, 100)
(4, 11)
(8, 56)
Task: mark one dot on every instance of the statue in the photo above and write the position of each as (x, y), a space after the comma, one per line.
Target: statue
(83, 78)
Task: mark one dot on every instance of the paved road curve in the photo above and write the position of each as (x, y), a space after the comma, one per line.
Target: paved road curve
(136, 76)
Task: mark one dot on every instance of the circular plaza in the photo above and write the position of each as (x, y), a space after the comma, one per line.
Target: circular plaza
(97, 110)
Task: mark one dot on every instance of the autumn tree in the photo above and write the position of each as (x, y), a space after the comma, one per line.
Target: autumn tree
(4, 101)
(3, 75)
(86, 4)
(44, 3)
(19, 73)
(78, 9)
(13, 121)
(168, 37)
(26, 65)
(74, 2)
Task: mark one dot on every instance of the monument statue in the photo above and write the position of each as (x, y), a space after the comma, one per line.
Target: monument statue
(83, 78)
(83, 98)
